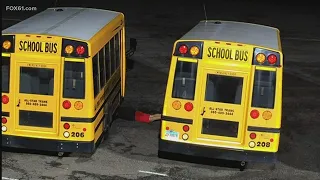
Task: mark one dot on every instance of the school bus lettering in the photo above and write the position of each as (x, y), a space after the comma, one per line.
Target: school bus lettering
(31, 46)
(229, 54)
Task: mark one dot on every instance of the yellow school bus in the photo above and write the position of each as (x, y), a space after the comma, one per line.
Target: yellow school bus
(63, 77)
(224, 93)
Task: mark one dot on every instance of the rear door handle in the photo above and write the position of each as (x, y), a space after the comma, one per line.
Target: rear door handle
(18, 105)
(203, 111)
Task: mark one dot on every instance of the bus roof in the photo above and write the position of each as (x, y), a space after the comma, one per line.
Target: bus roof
(232, 31)
(74, 22)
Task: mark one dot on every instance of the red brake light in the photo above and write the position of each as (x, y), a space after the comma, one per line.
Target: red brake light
(66, 104)
(4, 120)
(183, 49)
(185, 128)
(80, 50)
(253, 135)
(5, 99)
(254, 114)
(188, 106)
(272, 59)
(66, 125)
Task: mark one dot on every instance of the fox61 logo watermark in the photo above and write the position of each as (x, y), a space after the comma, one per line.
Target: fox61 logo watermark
(20, 8)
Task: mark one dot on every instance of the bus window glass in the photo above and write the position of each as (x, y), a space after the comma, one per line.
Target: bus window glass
(224, 89)
(5, 72)
(264, 89)
(36, 80)
(113, 57)
(184, 80)
(74, 80)
(95, 71)
(102, 69)
(107, 61)
(117, 51)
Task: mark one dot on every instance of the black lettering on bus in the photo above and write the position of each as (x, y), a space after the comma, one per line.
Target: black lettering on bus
(241, 55)
(21, 45)
(218, 55)
(37, 47)
(209, 52)
(51, 47)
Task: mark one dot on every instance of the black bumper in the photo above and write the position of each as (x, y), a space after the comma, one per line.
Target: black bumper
(216, 153)
(47, 144)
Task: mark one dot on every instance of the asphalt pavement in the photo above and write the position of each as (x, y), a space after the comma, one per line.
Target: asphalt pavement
(130, 152)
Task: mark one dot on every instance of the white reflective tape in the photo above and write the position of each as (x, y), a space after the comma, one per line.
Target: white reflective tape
(6, 178)
(154, 173)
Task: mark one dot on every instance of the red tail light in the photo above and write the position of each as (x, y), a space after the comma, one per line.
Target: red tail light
(66, 125)
(80, 50)
(272, 59)
(188, 106)
(183, 49)
(5, 99)
(66, 104)
(254, 114)
(4, 120)
(253, 135)
(185, 128)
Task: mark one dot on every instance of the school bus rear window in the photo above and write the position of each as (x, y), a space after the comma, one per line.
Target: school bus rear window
(5, 72)
(264, 89)
(36, 80)
(224, 89)
(185, 80)
(74, 80)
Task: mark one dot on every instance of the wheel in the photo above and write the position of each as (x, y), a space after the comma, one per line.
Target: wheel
(243, 165)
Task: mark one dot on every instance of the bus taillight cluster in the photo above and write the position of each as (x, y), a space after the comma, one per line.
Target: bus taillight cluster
(266, 115)
(78, 105)
(187, 106)
(192, 49)
(72, 48)
(266, 57)
(8, 43)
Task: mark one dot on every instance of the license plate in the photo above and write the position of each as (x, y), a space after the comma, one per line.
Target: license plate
(172, 135)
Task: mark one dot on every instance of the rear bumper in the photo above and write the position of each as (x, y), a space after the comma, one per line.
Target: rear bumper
(47, 144)
(217, 153)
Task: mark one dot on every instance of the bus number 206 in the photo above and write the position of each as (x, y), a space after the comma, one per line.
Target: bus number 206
(77, 134)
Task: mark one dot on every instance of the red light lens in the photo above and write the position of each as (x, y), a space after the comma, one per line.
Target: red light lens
(271, 140)
(183, 49)
(66, 126)
(188, 106)
(5, 99)
(253, 135)
(254, 114)
(272, 59)
(185, 128)
(66, 104)
(84, 129)
(80, 50)
(4, 120)
(167, 128)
